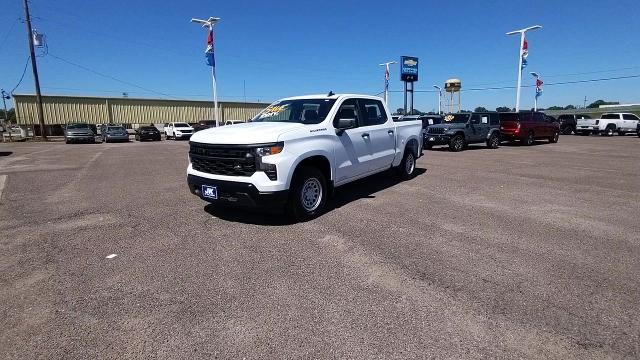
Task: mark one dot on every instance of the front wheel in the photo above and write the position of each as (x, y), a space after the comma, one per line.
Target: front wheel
(308, 195)
(494, 141)
(567, 130)
(457, 143)
(555, 137)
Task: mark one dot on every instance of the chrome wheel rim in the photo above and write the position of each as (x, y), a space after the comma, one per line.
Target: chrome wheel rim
(494, 141)
(311, 194)
(410, 164)
(458, 144)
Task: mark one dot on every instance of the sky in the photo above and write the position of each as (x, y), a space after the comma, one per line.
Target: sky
(266, 50)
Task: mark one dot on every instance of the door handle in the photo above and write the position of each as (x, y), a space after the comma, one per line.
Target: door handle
(390, 132)
(365, 135)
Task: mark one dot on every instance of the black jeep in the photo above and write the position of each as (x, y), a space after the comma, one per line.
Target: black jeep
(459, 130)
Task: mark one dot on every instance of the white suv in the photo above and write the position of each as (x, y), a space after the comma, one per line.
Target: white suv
(178, 130)
(608, 124)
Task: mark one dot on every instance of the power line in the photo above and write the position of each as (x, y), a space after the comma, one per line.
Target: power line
(110, 77)
(6, 36)
(26, 64)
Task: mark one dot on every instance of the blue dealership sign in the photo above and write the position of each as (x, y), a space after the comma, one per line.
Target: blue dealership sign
(408, 68)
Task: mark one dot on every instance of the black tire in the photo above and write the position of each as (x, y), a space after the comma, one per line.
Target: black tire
(494, 141)
(638, 133)
(307, 183)
(555, 137)
(585, 133)
(428, 146)
(610, 129)
(67, 141)
(457, 143)
(621, 133)
(407, 168)
(567, 130)
(529, 140)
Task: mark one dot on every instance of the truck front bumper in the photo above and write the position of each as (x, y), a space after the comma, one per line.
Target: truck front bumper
(237, 194)
(436, 139)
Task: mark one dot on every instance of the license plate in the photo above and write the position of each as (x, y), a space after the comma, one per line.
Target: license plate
(210, 192)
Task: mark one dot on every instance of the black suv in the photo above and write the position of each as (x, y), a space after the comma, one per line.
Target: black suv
(568, 122)
(459, 130)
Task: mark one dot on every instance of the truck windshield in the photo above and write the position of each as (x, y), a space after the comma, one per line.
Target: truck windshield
(77, 126)
(457, 118)
(303, 111)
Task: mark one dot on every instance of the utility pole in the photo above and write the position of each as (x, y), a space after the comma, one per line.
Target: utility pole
(34, 67)
(584, 106)
(522, 33)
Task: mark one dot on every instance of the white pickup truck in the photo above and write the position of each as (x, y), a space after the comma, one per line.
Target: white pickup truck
(608, 124)
(178, 130)
(297, 150)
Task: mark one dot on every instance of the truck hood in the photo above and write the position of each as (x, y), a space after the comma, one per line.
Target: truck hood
(246, 133)
(448, 126)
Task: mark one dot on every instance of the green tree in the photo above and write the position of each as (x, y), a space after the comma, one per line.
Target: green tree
(555, 108)
(569, 107)
(11, 114)
(503, 109)
(399, 111)
(597, 104)
(480, 109)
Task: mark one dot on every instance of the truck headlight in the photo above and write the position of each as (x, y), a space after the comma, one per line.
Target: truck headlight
(270, 150)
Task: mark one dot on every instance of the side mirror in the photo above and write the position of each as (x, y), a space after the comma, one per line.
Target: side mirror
(344, 124)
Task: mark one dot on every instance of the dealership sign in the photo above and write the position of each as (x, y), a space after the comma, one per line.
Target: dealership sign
(409, 68)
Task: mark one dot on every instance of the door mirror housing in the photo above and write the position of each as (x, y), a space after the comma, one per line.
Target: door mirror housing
(344, 124)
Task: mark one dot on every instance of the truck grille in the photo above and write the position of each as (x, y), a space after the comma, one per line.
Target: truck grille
(435, 130)
(222, 159)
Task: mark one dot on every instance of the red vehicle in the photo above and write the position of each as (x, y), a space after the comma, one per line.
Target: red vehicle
(527, 127)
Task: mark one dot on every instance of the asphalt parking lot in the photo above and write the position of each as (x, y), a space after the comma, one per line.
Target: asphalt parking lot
(519, 252)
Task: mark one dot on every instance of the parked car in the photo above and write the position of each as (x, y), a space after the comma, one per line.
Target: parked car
(148, 133)
(608, 124)
(79, 132)
(459, 130)
(568, 122)
(297, 150)
(178, 130)
(528, 126)
(204, 124)
(114, 133)
(231, 122)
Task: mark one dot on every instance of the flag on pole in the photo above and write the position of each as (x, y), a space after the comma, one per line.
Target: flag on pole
(208, 52)
(538, 87)
(386, 78)
(524, 53)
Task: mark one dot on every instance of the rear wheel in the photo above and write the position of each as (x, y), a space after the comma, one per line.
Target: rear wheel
(407, 166)
(494, 141)
(567, 130)
(308, 195)
(456, 143)
(555, 137)
(529, 140)
(609, 130)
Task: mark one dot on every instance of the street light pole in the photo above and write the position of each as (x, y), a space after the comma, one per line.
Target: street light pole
(386, 80)
(535, 102)
(208, 24)
(34, 67)
(439, 98)
(522, 33)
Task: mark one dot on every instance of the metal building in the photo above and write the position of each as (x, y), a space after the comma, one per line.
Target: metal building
(131, 112)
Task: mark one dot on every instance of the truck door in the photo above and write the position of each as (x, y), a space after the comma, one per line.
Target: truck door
(381, 139)
(475, 128)
(352, 154)
(629, 122)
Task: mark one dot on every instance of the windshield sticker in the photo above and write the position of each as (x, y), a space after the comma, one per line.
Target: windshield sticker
(449, 117)
(273, 110)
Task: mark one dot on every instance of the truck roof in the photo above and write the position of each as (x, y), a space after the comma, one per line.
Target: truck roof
(334, 96)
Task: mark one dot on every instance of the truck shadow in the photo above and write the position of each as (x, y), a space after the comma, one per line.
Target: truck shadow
(360, 189)
(6, 153)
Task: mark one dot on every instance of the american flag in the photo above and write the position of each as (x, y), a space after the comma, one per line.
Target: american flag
(208, 53)
(524, 53)
(386, 78)
(538, 87)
